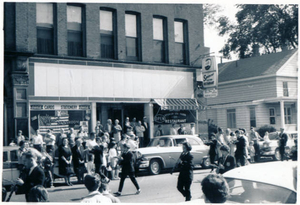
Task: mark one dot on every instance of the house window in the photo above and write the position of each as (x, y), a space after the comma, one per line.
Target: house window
(231, 119)
(45, 28)
(107, 34)
(75, 30)
(287, 115)
(180, 34)
(272, 116)
(159, 40)
(252, 117)
(132, 27)
(285, 89)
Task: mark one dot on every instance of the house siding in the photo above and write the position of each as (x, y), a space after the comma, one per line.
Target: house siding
(244, 91)
(291, 67)
(292, 86)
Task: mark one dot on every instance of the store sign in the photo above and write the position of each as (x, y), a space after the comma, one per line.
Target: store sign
(210, 72)
(170, 117)
(210, 93)
(59, 107)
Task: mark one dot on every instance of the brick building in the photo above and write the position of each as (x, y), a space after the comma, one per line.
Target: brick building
(70, 64)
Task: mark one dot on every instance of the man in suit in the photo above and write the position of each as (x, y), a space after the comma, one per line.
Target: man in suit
(35, 174)
(241, 144)
(226, 162)
(181, 130)
(127, 163)
(283, 138)
(185, 178)
(78, 159)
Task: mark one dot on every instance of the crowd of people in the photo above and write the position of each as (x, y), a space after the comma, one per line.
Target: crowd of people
(240, 147)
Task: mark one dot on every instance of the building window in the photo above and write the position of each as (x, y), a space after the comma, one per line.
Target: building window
(180, 32)
(159, 39)
(287, 115)
(252, 117)
(285, 89)
(75, 30)
(45, 28)
(272, 116)
(132, 31)
(231, 119)
(107, 34)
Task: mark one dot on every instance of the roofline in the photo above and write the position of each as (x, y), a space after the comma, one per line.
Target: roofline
(288, 60)
(247, 79)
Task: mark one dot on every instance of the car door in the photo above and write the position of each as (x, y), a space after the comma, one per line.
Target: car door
(199, 150)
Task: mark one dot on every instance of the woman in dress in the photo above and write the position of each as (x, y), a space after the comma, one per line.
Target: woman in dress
(117, 129)
(65, 161)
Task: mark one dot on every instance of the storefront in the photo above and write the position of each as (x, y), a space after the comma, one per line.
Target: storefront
(58, 116)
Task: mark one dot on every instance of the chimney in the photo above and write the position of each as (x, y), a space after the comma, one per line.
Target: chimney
(255, 50)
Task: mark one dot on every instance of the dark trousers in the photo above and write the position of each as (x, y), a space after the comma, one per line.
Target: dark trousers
(241, 159)
(132, 178)
(184, 187)
(282, 153)
(257, 151)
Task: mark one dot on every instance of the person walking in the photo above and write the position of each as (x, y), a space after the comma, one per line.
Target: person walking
(213, 148)
(65, 161)
(282, 143)
(185, 178)
(127, 163)
(139, 130)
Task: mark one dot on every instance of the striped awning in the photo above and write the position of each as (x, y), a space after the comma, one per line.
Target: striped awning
(177, 104)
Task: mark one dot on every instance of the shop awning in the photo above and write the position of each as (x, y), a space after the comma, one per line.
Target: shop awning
(177, 104)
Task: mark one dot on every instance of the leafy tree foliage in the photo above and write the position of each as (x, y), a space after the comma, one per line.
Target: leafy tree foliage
(271, 27)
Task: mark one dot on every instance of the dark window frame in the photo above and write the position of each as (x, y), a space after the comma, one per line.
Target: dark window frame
(252, 118)
(114, 32)
(83, 28)
(165, 39)
(185, 41)
(54, 31)
(229, 123)
(138, 38)
(285, 89)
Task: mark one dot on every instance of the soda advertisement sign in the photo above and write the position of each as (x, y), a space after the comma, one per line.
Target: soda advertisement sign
(210, 72)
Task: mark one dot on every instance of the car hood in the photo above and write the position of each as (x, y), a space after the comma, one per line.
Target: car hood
(156, 150)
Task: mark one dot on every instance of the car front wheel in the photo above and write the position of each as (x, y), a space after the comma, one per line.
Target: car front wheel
(155, 166)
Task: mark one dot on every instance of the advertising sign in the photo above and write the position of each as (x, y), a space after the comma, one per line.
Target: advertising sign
(210, 72)
(210, 93)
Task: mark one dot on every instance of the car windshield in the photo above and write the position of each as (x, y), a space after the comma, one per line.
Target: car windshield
(244, 191)
(161, 142)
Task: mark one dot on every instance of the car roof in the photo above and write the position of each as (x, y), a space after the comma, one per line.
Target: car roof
(275, 173)
(10, 148)
(177, 136)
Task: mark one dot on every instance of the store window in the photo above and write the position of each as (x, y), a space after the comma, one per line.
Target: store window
(45, 28)
(287, 115)
(107, 33)
(252, 117)
(272, 116)
(75, 30)
(159, 39)
(56, 117)
(231, 118)
(285, 89)
(181, 44)
(132, 31)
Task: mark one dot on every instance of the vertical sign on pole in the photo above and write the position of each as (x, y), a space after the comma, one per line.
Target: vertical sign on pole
(210, 77)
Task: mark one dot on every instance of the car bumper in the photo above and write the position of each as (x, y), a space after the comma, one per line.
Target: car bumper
(144, 164)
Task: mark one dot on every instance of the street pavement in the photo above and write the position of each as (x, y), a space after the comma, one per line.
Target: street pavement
(155, 189)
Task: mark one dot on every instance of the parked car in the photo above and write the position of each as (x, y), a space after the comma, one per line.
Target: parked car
(272, 182)
(271, 149)
(163, 152)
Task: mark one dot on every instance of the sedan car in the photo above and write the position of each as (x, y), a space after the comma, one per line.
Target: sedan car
(163, 152)
(271, 149)
(273, 182)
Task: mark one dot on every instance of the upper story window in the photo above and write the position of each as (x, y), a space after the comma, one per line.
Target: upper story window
(181, 44)
(107, 33)
(45, 28)
(231, 118)
(252, 117)
(75, 30)
(132, 31)
(285, 89)
(159, 40)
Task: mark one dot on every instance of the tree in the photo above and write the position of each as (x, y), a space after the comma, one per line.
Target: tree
(271, 27)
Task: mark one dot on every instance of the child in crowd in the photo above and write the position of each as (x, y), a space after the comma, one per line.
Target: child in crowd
(251, 151)
(113, 160)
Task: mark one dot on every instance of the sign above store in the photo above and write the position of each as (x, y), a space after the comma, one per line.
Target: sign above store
(59, 107)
